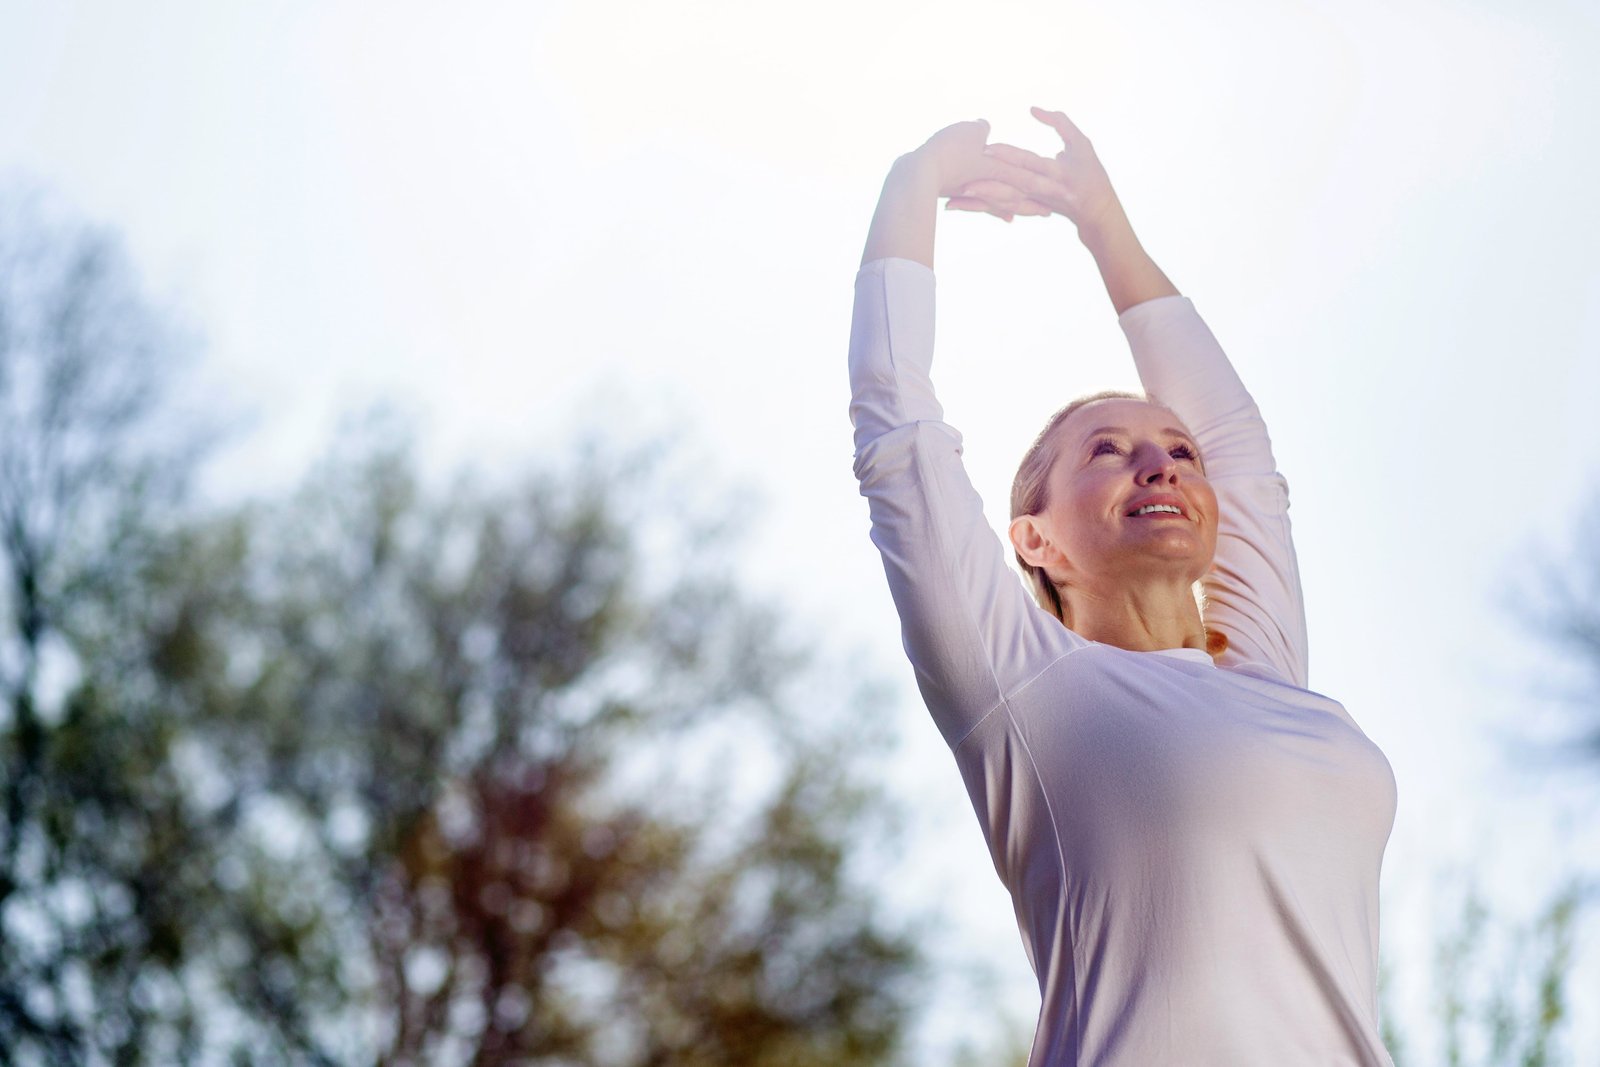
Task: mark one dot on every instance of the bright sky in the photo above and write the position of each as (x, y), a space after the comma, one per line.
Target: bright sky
(523, 219)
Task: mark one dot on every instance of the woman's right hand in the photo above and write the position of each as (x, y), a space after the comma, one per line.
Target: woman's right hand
(955, 158)
(952, 159)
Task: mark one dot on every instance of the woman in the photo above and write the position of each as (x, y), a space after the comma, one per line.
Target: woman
(1191, 838)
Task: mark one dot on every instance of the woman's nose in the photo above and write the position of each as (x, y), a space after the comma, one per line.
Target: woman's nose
(1156, 466)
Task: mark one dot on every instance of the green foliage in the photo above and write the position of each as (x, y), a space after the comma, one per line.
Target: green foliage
(1008, 1048)
(1501, 991)
(388, 774)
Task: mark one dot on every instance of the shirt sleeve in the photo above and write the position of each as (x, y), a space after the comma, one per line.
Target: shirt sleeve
(970, 629)
(1253, 591)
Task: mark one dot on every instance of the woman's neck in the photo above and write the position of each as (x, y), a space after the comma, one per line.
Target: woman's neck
(1141, 619)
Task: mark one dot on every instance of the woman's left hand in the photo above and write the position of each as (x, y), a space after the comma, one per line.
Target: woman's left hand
(1074, 183)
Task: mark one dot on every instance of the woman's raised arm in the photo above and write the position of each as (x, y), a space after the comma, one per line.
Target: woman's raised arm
(969, 628)
(1253, 591)
(902, 227)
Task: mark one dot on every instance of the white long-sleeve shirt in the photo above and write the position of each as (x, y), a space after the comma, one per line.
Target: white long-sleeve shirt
(1192, 848)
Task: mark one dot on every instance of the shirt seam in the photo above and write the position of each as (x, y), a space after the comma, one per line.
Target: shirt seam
(931, 488)
(1061, 861)
(889, 350)
(1286, 641)
(1007, 694)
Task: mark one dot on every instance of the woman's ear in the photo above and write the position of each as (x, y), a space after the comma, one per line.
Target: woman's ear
(1028, 538)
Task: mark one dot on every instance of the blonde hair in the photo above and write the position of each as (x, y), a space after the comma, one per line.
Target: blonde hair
(1030, 495)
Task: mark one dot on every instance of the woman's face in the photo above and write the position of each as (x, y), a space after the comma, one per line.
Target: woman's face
(1128, 497)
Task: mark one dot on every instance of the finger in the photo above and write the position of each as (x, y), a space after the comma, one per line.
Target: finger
(1020, 206)
(986, 207)
(1020, 157)
(1011, 184)
(979, 206)
(973, 203)
(1018, 177)
(1058, 122)
(991, 191)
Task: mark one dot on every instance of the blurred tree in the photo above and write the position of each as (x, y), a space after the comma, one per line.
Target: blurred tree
(1565, 613)
(384, 774)
(495, 725)
(1500, 991)
(87, 809)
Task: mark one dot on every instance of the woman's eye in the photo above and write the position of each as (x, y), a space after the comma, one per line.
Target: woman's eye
(1183, 452)
(1106, 448)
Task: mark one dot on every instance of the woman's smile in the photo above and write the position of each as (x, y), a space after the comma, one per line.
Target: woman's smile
(1158, 507)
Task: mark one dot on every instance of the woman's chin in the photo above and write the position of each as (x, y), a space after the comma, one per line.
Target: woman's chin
(1167, 560)
(1173, 546)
